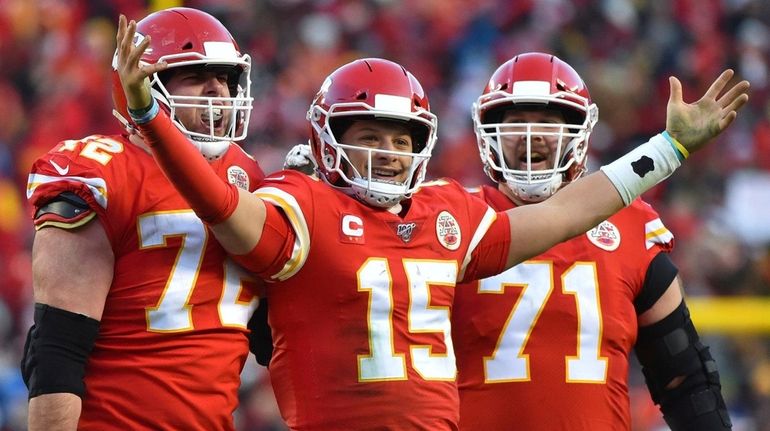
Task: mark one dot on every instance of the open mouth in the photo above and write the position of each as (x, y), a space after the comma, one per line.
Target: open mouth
(215, 116)
(537, 160)
(389, 176)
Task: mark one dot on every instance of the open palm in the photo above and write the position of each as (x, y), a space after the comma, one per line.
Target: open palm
(134, 76)
(695, 124)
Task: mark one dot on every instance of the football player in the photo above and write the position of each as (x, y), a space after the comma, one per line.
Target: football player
(565, 322)
(363, 260)
(140, 318)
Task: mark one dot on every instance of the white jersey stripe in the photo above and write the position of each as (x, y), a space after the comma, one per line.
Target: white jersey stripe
(481, 230)
(97, 186)
(656, 233)
(291, 208)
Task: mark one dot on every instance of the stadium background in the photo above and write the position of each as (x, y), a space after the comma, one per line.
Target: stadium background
(54, 85)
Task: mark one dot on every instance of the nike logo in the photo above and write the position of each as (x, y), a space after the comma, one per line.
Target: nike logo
(62, 171)
(275, 178)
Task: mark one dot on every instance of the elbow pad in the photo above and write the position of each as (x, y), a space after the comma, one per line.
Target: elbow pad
(669, 349)
(56, 351)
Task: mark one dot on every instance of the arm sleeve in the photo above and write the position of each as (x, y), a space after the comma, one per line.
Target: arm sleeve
(275, 246)
(489, 257)
(659, 276)
(212, 199)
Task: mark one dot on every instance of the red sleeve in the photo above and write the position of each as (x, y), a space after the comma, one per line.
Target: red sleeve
(212, 199)
(86, 181)
(653, 239)
(275, 246)
(656, 234)
(62, 170)
(490, 255)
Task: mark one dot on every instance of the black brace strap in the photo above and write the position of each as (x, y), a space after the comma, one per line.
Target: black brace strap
(56, 351)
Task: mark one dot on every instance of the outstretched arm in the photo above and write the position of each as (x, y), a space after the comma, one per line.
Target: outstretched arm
(235, 216)
(590, 200)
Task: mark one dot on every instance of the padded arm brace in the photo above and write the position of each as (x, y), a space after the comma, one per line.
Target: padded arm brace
(56, 351)
(669, 349)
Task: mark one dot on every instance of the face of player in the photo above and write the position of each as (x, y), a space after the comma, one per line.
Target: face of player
(382, 136)
(544, 138)
(200, 82)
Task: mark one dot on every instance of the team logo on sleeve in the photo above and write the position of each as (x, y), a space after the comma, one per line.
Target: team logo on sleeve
(448, 231)
(238, 177)
(606, 236)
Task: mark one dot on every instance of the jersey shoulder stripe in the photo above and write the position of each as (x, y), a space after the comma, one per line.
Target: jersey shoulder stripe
(97, 186)
(656, 233)
(489, 217)
(293, 211)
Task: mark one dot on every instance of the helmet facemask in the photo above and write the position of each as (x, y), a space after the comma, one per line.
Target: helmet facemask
(567, 143)
(227, 117)
(337, 168)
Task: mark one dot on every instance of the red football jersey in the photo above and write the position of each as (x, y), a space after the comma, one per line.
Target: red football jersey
(545, 345)
(172, 339)
(361, 311)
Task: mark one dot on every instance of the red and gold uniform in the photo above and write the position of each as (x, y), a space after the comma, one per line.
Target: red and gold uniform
(172, 339)
(545, 345)
(360, 311)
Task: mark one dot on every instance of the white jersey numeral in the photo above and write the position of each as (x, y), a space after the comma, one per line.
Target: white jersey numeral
(383, 362)
(98, 148)
(173, 313)
(508, 363)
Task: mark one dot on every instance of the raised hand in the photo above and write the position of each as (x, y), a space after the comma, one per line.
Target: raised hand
(695, 124)
(134, 77)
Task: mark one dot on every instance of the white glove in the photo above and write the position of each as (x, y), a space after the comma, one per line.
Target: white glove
(300, 158)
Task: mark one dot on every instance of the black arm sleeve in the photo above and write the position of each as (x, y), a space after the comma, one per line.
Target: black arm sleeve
(660, 273)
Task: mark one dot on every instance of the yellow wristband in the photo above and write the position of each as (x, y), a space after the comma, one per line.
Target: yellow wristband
(677, 145)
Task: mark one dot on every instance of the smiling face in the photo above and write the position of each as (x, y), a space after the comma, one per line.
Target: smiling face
(544, 139)
(196, 81)
(384, 137)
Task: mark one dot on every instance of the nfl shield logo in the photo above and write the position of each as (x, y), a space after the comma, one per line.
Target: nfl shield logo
(405, 231)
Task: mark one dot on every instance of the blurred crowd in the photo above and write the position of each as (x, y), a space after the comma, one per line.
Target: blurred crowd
(55, 80)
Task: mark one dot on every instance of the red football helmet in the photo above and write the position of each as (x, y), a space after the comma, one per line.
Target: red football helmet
(189, 37)
(527, 81)
(378, 89)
